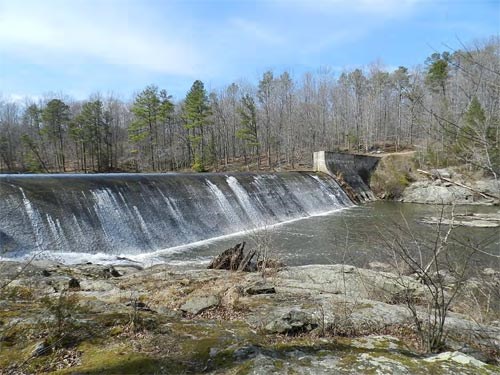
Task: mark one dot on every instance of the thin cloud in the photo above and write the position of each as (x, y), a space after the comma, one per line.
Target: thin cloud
(388, 8)
(66, 31)
(256, 31)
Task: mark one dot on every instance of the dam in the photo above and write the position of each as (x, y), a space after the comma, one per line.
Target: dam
(143, 213)
(354, 169)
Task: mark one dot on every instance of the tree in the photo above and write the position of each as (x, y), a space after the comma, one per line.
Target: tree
(438, 71)
(151, 109)
(401, 80)
(91, 132)
(362, 108)
(55, 117)
(249, 131)
(264, 95)
(358, 81)
(285, 121)
(476, 141)
(196, 116)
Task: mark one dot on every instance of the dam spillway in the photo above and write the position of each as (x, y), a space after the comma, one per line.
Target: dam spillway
(142, 213)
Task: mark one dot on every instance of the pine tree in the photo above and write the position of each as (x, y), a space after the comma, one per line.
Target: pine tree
(196, 115)
(151, 109)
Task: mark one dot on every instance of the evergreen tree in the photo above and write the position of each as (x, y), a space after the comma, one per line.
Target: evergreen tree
(438, 71)
(196, 116)
(151, 109)
(476, 141)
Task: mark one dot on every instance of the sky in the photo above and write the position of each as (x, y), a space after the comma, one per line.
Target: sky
(82, 47)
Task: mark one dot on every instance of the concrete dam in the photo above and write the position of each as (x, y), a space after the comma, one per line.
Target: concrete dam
(355, 170)
(142, 213)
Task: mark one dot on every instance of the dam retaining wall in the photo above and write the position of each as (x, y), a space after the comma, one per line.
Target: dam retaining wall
(355, 170)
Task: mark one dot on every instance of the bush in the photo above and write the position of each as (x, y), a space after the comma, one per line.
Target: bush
(198, 166)
(392, 176)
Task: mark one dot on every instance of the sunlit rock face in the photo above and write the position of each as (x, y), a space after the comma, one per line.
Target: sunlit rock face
(140, 213)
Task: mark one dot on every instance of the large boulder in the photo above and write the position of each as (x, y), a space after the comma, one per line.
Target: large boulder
(197, 304)
(431, 192)
(291, 322)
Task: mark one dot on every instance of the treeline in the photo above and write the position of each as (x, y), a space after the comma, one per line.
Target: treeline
(449, 108)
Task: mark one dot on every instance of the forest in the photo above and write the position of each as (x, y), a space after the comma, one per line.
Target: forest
(447, 108)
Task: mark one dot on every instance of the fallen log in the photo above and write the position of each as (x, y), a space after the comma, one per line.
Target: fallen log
(434, 175)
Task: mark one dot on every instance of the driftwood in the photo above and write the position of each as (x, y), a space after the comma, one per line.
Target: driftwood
(233, 259)
(434, 175)
(347, 188)
(245, 264)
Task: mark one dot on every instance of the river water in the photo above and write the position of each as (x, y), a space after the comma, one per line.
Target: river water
(357, 236)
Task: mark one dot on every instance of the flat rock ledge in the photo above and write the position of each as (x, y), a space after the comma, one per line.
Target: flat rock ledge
(333, 319)
(445, 193)
(474, 220)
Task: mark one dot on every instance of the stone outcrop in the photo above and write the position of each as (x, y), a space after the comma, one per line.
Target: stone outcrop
(306, 320)
(444, 186)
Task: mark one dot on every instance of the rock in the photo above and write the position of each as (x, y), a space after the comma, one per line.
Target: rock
(442, 173)
(97, 286)
(471, 220)
(232, 296)
(488, 186)
(138, 305)
(45, 273)
(342, 279)
(380, 266)
(445, 277)
(169, 313)
(428, 192)
(246, 352)
(457, 357)
(489, 272)
(458, 346)
(292, 322)
(111, 272)
(260, 288)
(196, 304)
(41, 348)
(73, 283)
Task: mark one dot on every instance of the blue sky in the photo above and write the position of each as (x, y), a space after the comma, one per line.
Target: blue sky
(81, 47)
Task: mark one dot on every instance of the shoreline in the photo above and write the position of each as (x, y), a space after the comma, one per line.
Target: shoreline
(169, 320)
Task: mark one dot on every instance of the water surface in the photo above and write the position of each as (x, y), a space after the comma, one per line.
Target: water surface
(356, 236)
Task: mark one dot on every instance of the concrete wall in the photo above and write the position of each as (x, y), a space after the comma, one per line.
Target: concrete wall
(356, 170)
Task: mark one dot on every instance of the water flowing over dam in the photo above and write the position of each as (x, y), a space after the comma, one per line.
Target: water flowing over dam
(141, 213)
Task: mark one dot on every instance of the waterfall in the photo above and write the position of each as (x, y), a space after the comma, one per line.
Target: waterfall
(140, 213)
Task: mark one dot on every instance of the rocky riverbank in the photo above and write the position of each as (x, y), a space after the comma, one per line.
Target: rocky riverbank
(438, 191)
(451, 186)
(398, 177)
(93, 319)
